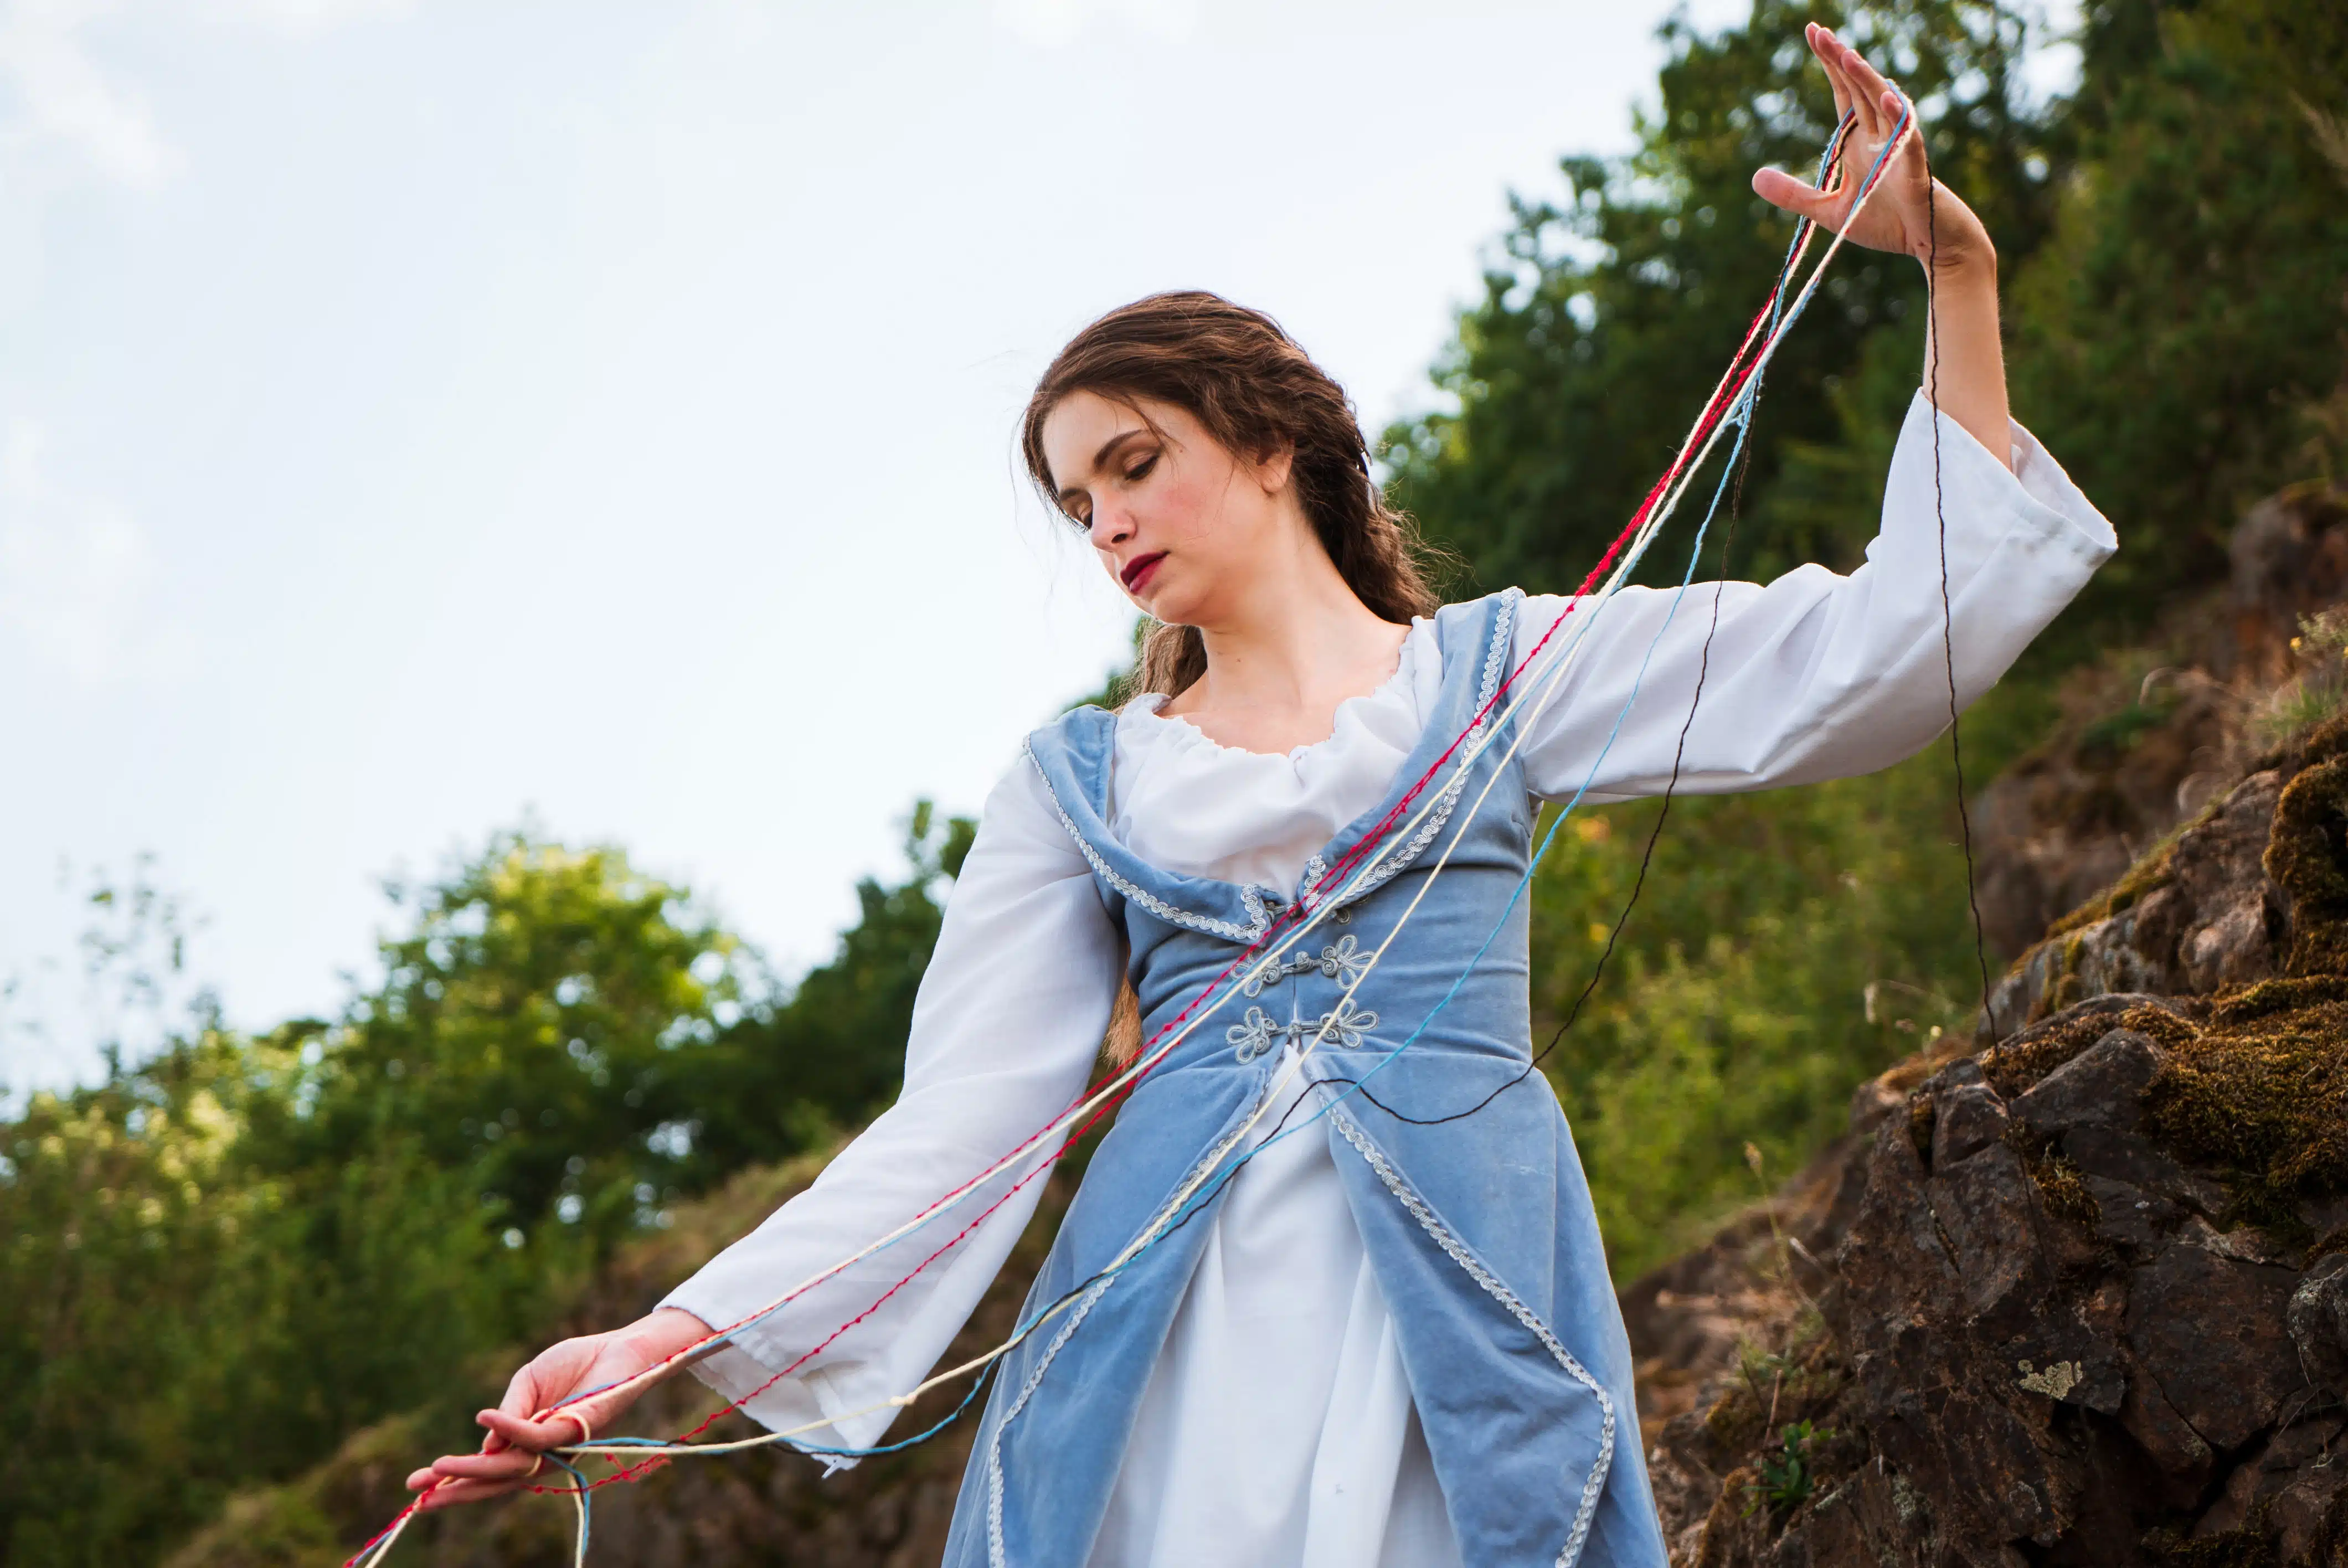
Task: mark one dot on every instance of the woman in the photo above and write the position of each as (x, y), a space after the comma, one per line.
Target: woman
(1390, 1339)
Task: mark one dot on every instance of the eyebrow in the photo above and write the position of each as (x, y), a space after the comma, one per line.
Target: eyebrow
(1100, 459)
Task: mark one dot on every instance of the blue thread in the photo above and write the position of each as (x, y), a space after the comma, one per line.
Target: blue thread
(1740, 414)
(922, 1436)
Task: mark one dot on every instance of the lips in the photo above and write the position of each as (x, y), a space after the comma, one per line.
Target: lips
(1140, 569)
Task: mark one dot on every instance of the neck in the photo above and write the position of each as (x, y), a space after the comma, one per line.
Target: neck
(1296, 637)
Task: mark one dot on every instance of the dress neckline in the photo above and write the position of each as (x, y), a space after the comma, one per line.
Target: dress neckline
(1074, 754)
(1184, 733)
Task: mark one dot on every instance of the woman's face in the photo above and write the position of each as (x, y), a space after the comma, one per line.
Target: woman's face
(1177, 518)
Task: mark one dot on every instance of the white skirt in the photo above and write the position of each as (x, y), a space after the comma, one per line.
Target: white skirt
(1277, 1430)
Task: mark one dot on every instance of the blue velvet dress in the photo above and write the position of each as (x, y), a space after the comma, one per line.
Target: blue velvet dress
(1479, 1230)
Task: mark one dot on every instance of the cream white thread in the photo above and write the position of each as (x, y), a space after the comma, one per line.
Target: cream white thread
(1560, 662)
(1504, 620)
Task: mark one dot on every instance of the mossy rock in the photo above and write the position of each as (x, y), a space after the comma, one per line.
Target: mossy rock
(2250, 1546)
(2307, 856)
(2061, 1188)
(2263, 1093)
(2018, 1063)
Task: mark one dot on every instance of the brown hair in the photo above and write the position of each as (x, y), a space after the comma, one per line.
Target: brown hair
(1235, 371)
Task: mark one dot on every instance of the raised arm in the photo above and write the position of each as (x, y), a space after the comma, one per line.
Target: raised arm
(1815, 675)
(1911, 214)
(1006, 1027)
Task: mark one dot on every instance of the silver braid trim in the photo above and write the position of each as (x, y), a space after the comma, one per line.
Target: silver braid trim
(1229, 930)
(1496, 659)
(997, 1555)
(1458, 1251)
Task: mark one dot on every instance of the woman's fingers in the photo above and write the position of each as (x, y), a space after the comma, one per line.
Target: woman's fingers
(1865, 88)
(1849, 99)
(1866, 84)
(1779, 189)
(517, 1434)
(537, 1436)
(1821, 43)
(513, 1464)
(469, 1478)
(1856, 85)
(1910, 150)
(507, 1464)
(510, 1453)
(523, 1394)
(451, 1494)
(1841, 85)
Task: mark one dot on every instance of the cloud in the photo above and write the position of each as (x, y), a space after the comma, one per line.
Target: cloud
(60, 101)
(1053, 23)
(76, 574)
(317, 15)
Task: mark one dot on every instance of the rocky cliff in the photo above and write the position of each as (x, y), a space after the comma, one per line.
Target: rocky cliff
(2074, 1291)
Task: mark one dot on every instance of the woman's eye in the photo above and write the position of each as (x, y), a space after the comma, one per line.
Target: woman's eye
(1141, 469)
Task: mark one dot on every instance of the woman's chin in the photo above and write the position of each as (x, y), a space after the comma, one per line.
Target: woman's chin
(1166, 604)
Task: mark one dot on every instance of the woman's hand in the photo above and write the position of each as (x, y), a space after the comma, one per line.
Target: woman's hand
(1911, 214)
(1897, 216)
(510, 1454)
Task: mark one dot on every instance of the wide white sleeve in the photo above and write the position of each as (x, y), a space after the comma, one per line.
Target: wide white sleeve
(1815, 675)
(1006, 1027)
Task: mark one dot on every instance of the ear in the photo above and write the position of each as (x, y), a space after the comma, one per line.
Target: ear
(1272, 466)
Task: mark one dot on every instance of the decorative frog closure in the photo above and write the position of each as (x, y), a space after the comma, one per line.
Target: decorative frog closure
(1346, 1024)
(1343, 960)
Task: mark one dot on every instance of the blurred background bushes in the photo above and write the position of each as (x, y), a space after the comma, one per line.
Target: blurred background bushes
(219, 1261)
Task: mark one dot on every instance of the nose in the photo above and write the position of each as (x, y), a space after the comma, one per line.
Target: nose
(1111, 527)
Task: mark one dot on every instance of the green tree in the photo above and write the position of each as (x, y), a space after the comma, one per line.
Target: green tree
(1577, 373)
(527, 1030)
(831, 1054)
(2194, 300)
(2175, 240)
(1785, 946)
(220, 1260)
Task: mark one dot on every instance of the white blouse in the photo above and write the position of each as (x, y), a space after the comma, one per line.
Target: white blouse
(1277, 1429)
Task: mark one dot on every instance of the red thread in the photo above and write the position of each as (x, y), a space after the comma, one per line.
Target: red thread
(1723, 399)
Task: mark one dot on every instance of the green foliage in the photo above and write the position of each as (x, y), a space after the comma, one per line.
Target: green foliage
(1786, 1479)
(2172, 235)
(780, 1079)
(1735, 1008)
(2168, 340)
(525, 1032)
(234, 1252)
(2320, 689)
(1578, 371)
(2175, 234)
(218, 1263)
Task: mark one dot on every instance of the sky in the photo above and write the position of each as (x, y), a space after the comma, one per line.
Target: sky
(422, 418)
